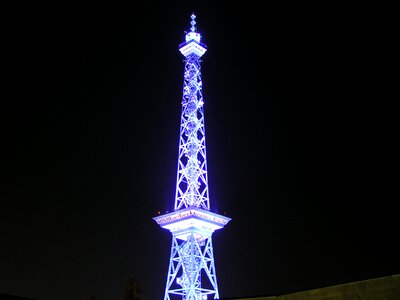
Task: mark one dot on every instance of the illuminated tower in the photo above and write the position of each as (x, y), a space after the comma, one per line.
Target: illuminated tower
(191, 272)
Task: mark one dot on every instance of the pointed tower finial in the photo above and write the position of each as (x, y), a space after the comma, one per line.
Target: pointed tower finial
(193, 23)
(192, 34)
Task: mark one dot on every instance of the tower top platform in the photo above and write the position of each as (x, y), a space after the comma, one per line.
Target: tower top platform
(200, 222)
(192, 44)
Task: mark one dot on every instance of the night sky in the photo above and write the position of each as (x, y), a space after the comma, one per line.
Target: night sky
(300, 127)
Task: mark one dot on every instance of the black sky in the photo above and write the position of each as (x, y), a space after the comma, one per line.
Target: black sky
(301, 134)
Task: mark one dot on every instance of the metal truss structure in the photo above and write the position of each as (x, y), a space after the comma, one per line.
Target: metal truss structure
(193, 256)
(191, 273)
(191, 182)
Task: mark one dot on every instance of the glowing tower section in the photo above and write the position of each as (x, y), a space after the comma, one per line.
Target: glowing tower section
(191, 272)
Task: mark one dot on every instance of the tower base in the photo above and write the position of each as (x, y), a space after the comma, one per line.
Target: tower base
(191, 271)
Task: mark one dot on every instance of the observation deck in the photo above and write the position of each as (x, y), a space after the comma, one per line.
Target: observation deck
(192, 220)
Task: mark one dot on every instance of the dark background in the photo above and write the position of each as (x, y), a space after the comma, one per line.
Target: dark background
(301, 135)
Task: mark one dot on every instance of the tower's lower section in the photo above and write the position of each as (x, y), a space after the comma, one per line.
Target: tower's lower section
(191, 271)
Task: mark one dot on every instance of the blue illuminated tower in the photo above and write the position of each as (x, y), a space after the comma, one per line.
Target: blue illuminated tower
(191, 272)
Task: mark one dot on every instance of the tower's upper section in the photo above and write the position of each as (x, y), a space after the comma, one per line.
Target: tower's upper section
(193, 44)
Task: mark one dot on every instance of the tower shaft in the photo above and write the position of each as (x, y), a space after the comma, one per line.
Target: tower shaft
(191, 182)
(191, 271)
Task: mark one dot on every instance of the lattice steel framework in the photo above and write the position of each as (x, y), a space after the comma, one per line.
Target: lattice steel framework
(191, 272)
(191, 182)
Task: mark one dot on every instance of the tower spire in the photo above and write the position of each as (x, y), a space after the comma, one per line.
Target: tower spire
(193, 34)
(193, 22)
(191, 273)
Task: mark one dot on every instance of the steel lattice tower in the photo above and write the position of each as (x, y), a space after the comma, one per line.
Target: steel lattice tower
(191, 272)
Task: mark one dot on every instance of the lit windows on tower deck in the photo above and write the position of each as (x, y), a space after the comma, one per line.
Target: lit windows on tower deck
(183, 222)
(192, 47)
